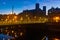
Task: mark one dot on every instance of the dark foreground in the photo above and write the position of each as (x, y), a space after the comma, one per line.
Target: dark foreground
(32, 31)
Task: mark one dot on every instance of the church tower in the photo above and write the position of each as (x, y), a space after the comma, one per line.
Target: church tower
(44, 9)
(37, 5)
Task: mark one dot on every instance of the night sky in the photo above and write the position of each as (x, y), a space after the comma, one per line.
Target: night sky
(20, 5)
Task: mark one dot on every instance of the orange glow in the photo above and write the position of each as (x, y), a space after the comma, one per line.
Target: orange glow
(21, 34)
(26, 15)
(56, 19)
(34, 16)
(8, 17)
(21, 18)
(56, 39)
(15, 33)
(15, 17)
(12, 31)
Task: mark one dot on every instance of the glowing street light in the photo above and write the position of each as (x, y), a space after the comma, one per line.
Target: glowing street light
(21, 18)
(26, 15)
(21, 34)
(12, 31)
(15, 17)
(56, 19)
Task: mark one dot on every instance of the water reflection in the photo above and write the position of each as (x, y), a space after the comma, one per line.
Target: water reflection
(12, 31)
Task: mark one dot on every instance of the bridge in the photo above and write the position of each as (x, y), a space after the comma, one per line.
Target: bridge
(31, 31)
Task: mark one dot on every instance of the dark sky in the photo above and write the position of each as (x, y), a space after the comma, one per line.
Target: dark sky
(20, 5)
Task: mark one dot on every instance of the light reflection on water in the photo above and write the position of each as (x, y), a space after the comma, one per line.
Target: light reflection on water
(12, 31)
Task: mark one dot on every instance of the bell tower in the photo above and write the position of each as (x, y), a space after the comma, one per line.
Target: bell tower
(37, 5)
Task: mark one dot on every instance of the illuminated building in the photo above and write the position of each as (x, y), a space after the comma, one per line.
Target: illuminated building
(54, 14)
(54, 11)
(34, 14)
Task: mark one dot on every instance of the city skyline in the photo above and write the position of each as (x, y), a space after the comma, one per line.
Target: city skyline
(20, 5)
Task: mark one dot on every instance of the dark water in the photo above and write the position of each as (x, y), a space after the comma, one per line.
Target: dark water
(29, 32)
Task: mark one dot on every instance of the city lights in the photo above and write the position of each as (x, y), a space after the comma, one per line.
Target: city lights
(23, 21)
(34, 16)
(21, 34)
(56, 39)
(26, 15)
(15, 17)
(12, 31)
(15, 35)
(21, 18)
(56, 19)
(30, 16)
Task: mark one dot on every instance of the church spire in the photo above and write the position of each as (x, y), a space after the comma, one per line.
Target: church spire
(12, 9)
